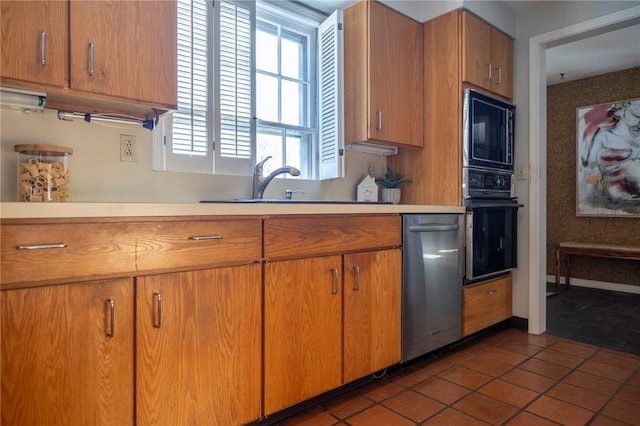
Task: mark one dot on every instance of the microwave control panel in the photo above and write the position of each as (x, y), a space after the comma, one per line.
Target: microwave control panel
(483, 183)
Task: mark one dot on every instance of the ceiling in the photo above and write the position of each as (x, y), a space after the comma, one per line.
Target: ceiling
(591, 55)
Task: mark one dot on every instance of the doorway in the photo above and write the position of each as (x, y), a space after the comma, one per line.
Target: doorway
(537, 152)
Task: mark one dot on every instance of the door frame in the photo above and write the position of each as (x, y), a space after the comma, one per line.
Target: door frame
(537, 151)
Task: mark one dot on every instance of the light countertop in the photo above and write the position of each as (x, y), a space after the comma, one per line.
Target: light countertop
(79, 210)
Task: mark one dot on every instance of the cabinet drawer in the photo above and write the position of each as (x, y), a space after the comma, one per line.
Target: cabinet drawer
(312, 236)
(486, 304)
(185, 244)
(48, 253)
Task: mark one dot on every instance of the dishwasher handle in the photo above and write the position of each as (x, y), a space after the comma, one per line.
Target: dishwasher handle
(432, 227)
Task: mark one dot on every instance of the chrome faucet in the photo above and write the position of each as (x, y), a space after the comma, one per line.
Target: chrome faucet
(260, 183)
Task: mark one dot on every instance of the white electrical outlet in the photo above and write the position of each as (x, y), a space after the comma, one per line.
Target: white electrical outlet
(128, 148)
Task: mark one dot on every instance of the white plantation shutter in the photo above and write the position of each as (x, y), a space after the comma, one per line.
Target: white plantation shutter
(189, 148)
(235, 22)
(330, 87)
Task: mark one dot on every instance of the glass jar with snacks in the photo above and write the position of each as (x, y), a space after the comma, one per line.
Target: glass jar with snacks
(43, 173)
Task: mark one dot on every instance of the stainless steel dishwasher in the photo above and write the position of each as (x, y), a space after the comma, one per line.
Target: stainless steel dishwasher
(432, 277)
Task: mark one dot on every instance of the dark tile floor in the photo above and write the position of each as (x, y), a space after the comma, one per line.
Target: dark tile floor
(609, 319)
(507, 377)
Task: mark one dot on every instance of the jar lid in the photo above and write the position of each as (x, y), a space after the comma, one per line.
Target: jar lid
(50, 150)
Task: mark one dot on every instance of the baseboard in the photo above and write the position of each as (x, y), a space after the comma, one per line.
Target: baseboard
(519, 323)
(580, 282)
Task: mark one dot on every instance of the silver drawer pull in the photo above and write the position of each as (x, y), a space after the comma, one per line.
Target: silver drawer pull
(492, 292)
(42, 246)
(206, 237)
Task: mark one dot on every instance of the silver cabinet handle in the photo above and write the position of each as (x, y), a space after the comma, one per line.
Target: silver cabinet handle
(499, 75)
(91, 59)
(336, 279)
(432, 227)
(489, 66)
(356, 272)
(379, 121)
(110, 317)
(205, 237)
(43, 48)
(492, 292)
(157, 317)
(41, 246)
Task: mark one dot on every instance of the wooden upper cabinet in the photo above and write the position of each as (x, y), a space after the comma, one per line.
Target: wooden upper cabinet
(382, 75)
(125, 49)
(487, 56)
(502, 62)
(67, 354)
(34, 41)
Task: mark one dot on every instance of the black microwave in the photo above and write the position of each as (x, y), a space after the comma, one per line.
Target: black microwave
(488, 132)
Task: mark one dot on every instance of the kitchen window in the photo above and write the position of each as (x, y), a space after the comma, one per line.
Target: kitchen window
(255, 79)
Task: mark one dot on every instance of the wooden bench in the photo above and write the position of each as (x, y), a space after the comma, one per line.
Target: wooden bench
(569, 249)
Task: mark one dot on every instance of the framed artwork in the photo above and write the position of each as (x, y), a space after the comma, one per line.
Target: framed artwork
(608, 159)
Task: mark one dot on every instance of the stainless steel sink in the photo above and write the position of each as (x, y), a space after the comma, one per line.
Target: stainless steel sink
(283, 201)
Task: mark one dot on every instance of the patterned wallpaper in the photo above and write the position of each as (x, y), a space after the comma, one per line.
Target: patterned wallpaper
(562, 223)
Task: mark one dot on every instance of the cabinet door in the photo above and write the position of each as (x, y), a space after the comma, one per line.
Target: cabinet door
(372, 303)
(303, 330)
(67, 354)
(476, 50)
(199, 347)
(34, 41)
(502, 63)
(125, 49)
(395, 81)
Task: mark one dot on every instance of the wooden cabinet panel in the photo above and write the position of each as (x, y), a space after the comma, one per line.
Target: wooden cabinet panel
(485, 304)
(90, 250)
(134, 49)
(199, 354)
(487, 56)
(383, 75)
(372, 312)
(476, 63)
(302, 330)
(436, 170)
(184, 244)
(34, 41)
(296, 237)
(59, 366)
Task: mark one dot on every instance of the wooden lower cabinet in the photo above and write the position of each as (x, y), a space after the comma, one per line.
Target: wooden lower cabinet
(486, 303)
(199, 343)
(372, 312)
(67, 354)
(302, 330)
(329, 321)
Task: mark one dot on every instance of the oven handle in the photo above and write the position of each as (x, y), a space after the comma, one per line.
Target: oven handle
(433, 228)
(494, 206)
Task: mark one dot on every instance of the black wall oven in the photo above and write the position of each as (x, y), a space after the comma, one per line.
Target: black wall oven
(491, 237)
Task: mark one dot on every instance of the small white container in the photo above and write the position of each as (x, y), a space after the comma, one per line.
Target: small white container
(43, 173)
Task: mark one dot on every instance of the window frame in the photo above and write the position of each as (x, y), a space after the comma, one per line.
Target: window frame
(296, 17)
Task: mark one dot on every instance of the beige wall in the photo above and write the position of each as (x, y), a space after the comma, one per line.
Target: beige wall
(98, 175)
(562, 222)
